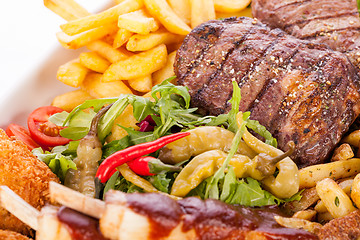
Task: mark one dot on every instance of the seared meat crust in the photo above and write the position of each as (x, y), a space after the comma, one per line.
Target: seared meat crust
(27, 176)
(298, 90)
(345, 228)
(335, 23)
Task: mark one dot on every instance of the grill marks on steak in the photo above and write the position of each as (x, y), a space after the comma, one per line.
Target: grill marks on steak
(335, 23)
(298, 90)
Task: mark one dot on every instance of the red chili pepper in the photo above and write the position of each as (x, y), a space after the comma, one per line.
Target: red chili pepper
(149, 166)
(106, 169)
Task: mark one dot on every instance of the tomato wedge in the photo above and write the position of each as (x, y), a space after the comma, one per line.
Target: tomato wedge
(21, 134)
(42, 130)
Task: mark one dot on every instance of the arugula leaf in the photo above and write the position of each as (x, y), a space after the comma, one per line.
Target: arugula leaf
(96, 104)
(110, 184)
(142, 107)
(115, 146)
(160, 182)
(235, 105)
(261, 130)
(212, 189)
(79, 125)
(125, 186)
(57, 162)
(358, 5)
(229, 185)
(137, 137)
(249, 193)
(167, 89)
(107, 121)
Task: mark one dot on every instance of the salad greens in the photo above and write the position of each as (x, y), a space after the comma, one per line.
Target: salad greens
(59, 159)
(170, 111)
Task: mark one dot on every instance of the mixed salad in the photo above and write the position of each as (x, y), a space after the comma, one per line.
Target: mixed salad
(69, 142)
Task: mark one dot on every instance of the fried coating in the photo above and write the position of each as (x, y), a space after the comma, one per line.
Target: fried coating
(10, 235)
(27, 176)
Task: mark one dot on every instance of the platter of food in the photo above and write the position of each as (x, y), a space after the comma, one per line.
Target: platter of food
(188, 119)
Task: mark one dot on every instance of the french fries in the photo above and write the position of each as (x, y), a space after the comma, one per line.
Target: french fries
(125, 35)
(140, 42)
(335, 199)
(137, 66)
(82, 39)
(201, 11)
(121, 37)
(94, 87)
(342, 153)
(138, 22)
(309, 176)
(166, 72)
(182, 9)
(231, 6)
(107, 17)
(167, 16)
(141, 84)
(355, 190)
(106, 51)
(94, 62)
(69, 100)
(298, 223)
(67, 9)
(72, 73)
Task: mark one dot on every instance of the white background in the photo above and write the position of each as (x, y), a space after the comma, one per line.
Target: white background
(30, 56)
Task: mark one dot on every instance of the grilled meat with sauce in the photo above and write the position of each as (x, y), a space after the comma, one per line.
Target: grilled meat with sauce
(335, 23)
(299, 90)
(160, 217)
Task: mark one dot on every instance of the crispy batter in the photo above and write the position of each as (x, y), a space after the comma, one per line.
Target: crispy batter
(27, 176)
(10, 235)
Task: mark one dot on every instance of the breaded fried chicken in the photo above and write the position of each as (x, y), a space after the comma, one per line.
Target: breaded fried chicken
(10, 235)
(27, 176)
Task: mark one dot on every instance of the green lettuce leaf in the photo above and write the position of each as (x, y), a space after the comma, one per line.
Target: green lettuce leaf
(261, 130)
(57, 162)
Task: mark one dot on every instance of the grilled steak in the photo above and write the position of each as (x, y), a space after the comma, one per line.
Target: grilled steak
(345, 228)
(298, 90)
(333, 22)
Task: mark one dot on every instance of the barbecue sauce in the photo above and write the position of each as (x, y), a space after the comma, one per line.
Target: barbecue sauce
(211, 219)
(80, 226)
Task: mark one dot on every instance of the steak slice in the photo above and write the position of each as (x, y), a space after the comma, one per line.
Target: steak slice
(345, 228)
(335, 23)
(298, 90)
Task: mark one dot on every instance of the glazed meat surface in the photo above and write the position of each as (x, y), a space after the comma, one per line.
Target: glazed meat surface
(27, 176)
(161, 217)
(335, 23)
(298, 90)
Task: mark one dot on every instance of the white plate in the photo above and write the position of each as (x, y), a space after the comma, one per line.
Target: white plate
(30, 56)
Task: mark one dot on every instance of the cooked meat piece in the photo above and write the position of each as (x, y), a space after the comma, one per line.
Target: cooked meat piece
(9, 235)
(27, 176)
(333, 22)
(298, 90)
(345, 228)
(155, 216)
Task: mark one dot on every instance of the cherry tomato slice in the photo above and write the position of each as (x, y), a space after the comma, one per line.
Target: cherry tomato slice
(42, 130)
(21, 134)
